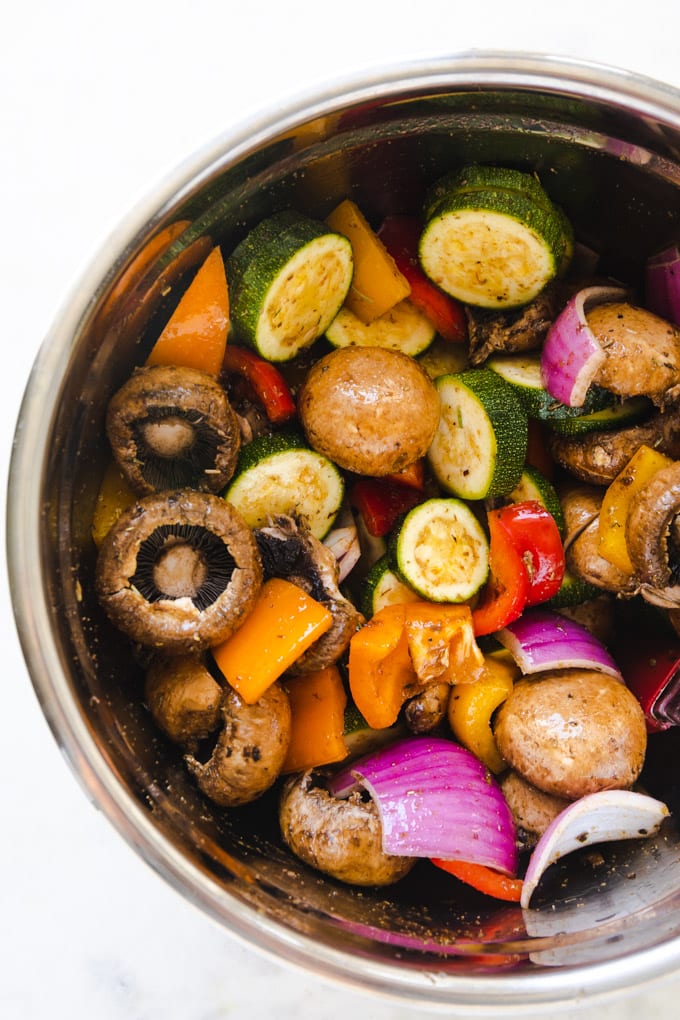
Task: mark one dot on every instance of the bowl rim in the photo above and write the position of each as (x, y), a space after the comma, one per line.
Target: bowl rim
(501, 993)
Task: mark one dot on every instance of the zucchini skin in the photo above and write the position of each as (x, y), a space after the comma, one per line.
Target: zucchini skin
(257, 457)
(481, 177)
(374, 595)
(620, 415)
(469, 207)
(454, 452)
(455, 542)
(537, 402)
(256, 264)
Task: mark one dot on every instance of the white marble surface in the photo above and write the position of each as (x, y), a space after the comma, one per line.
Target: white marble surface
(97, 103)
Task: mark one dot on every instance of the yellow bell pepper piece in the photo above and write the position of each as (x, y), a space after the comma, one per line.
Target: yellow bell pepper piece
(114, 496)
(377, 284)
(471, 707)
(639, 470)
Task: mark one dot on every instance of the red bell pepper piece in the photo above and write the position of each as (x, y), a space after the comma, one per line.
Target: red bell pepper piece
(400, 235)
(413, 476)
(270, 388)
(650, 665)
(504, 596)
(381, 502)
(535, 535)
(486, 880)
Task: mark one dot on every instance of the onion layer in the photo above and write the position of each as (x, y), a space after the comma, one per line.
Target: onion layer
(435, 799)
(571, 353)
(542, 639)
(596, 818)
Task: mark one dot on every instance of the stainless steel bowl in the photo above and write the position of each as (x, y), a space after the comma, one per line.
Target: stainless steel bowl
(607, 145)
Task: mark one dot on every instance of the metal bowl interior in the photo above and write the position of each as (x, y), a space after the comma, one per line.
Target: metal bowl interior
(606, 145)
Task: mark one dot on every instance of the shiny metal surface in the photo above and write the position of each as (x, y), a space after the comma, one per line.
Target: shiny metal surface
(607, 146)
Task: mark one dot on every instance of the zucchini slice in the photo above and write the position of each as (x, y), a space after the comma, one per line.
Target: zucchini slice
(383, 587)
(480, 177)
(479, 448)
(360, 738)
(523, 372)
(492, 237)
(534, 485)
(288, 279)
(441, 551)
(444, 358)
(403, 328)
(573, 591)
(618, 416)
(280, 474)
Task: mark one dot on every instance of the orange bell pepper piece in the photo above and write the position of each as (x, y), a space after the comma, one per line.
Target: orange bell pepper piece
(403, 648)
(283, 624)
(195, 336)
(381, 676)
(317, 703)
(377, 284)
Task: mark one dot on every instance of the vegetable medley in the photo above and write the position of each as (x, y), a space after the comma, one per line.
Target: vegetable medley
(377, 500)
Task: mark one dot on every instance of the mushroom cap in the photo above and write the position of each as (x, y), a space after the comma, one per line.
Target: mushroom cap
(183, 697)
(250, 751)
(642, 351)
(371, 410)
(342, 838)
(572, 732)
(648, 526)
(173, 427)
(167, 526)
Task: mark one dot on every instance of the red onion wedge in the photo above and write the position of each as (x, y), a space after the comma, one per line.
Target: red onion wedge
(571, 354)
(596, 818)
(435, 799)
(662, 284)
(542, 639)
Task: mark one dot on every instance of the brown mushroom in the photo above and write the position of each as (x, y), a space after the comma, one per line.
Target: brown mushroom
(642, 351)
(516, 329)
(371, 410)
(250, 751)
(649, 531)
(572, 732)
(581, 507)
(178, 571)
(532, 809)
(598, 615)
(171, 427)
(427, 710)
(598, 457)
(183, 697)
(341, 838)
(289, 550)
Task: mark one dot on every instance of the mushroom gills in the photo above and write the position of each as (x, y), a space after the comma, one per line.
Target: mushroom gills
(179, 447)
(183, 561)
(173, 427)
